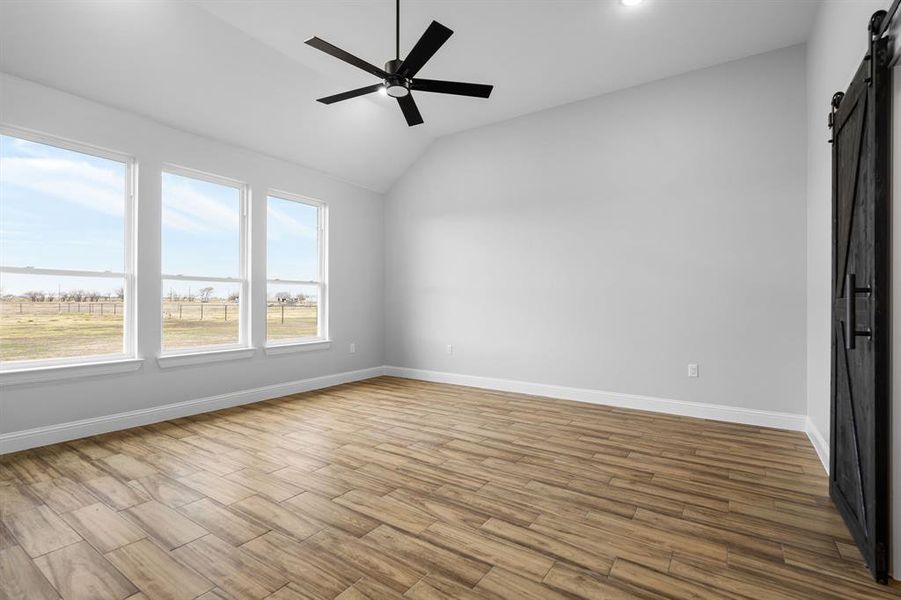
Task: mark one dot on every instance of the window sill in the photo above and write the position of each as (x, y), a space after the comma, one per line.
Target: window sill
(198, 358)
(73, 371)
(290, 348)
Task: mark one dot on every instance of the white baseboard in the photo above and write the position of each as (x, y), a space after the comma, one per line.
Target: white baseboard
(716, 412)
(819, 443)
(52, 434)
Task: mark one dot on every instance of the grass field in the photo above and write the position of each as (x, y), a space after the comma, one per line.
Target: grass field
(51, 330)
(37, 332)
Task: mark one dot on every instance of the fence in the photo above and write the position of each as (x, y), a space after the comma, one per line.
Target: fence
(190, 311)
(51, 308)
(277, 310)
(200, 311)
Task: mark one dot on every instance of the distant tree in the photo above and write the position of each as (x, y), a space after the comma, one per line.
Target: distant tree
(234, 296)
(205, 294)
(300, 298)
(283, 296)
(35, 296)
(120, 293)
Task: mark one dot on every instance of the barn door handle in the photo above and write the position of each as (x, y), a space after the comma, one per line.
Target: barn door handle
(851, 331)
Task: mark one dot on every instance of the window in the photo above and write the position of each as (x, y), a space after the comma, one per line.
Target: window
(66, 276)
(295, 288)
(204, 286)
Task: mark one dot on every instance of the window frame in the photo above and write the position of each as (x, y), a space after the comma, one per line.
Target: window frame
(129, 280)
(244, 301)
(322, 339)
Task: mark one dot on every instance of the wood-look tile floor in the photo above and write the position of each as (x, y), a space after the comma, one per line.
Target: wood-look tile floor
(392, 488)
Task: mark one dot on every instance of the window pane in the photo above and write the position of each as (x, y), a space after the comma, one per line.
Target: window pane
(292, 311)
(201, 231)
(293, 246)
(200, 313)
(60, 209)
(44, 316)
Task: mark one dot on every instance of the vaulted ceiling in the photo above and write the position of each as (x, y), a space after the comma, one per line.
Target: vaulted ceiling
(239, 71)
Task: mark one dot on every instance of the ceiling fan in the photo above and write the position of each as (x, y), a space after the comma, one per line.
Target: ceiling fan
(397, 77)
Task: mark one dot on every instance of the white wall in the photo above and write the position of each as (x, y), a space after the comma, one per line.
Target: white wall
(608, 243)
(355, 260)
(837, 45)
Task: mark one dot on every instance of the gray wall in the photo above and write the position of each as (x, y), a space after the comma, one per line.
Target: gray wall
(608, 243)
(355, 264)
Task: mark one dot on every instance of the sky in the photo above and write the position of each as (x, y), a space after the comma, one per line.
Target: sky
(61, 209)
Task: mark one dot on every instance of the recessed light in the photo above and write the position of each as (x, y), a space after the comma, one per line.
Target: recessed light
(630, 2)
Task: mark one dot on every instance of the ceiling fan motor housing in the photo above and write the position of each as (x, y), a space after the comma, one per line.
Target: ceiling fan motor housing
(395, 85)
(397, 79)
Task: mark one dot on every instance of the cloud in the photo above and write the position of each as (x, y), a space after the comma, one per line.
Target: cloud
(281, 223)
(189, 209)
(75, 181)
(86, 182)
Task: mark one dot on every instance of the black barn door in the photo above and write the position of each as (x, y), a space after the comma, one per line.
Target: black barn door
(859, 435)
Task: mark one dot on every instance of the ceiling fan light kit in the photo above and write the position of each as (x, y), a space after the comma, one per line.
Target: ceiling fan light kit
(395, 86)
(397, 77)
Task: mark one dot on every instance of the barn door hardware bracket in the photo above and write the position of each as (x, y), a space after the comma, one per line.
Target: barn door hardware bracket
(836, 101)
(887, 17)
(851, 330)
(875, 30)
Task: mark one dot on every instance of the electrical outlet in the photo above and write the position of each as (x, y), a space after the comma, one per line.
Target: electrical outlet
(692, 370)
(450, 349)
(353, 348)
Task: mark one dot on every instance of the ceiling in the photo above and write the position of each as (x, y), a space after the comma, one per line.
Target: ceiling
(239, 71)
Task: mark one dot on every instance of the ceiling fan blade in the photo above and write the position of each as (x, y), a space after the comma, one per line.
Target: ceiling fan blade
(411, 112)
(478, 90)
(351, 94)
(433, 38)
(347, 57)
